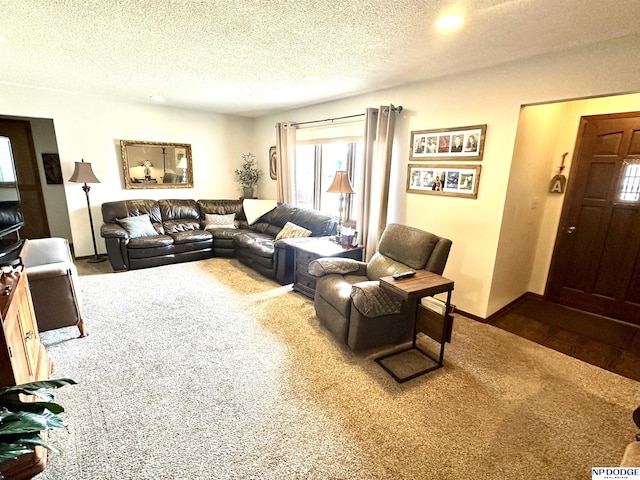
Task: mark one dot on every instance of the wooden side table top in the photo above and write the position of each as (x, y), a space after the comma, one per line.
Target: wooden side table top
(323, 247)
(422, 284)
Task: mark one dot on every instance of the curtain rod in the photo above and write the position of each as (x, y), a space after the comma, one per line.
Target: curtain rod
(395, 109)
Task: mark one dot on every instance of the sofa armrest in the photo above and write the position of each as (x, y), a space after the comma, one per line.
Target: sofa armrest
(373, 301)
(339, 265)
(113, 230)
(52, 270)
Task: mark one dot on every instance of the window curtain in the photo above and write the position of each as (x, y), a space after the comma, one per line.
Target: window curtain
(373, 190)
(286, 162)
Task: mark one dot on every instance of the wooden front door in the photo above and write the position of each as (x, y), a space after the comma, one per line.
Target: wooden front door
(31, 197)
(596, 261)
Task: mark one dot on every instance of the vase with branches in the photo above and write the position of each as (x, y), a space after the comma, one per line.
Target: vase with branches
(248, 174)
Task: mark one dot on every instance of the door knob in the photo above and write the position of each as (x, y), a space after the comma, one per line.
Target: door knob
(570, 230)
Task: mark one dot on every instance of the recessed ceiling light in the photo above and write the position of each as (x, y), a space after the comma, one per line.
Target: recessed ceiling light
(157, 98)
(449, 21)
(311, 78)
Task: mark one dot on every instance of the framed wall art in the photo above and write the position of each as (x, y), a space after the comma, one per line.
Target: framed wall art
(448, 180)
(52, 169)
(461, 143)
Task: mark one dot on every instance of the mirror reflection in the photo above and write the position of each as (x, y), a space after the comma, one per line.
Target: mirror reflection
(156, 164)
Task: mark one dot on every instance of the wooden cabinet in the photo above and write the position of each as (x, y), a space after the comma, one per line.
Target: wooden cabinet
(307, 251)
(22, 356)
(22, 359)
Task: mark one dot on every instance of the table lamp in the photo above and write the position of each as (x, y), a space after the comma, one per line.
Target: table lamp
(341, 185)
(182, 164)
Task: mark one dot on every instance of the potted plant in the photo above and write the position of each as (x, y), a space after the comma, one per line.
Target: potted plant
(21, 422)
(248, 174)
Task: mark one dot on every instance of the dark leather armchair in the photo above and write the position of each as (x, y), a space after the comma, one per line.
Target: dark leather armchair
(349, 301)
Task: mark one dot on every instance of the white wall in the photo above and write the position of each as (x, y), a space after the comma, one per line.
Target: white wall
(492, 96)
(90, 128)
(533, 160)
(55, 201)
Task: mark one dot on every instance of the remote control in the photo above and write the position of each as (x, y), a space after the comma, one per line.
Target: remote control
(398, 276)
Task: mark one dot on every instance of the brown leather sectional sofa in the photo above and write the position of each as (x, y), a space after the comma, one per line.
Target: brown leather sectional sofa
(180, 234)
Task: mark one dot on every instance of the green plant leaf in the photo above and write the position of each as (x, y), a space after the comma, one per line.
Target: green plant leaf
(10, 451)
(32, 388)
(37, 440)
(36, 407)
(23, 422)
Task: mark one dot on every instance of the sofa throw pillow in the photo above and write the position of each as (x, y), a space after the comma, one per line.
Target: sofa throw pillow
(138, 226)
(291, 230)
(212, 221)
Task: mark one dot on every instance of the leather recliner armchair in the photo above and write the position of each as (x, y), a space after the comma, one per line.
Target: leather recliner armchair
(53, 281)
(349, 301)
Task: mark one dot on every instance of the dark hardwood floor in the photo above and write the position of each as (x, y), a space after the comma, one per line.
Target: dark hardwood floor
(606, 343)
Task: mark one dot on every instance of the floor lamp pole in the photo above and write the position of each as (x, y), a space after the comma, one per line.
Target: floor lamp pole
(96, 258)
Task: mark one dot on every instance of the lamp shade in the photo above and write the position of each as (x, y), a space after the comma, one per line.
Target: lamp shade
(341, 183)
(83, 173)
(182, 163)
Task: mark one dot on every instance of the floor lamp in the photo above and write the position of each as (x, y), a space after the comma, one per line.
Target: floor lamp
(341, 185)
(84, 174)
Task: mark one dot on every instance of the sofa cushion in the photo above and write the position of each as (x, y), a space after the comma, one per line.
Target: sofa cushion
(291, 230)
(191, 236)
(259, 244)
(273, 221)
(179, 209)
(254, 208)
(213, 221)
(173, 226)
(319, 223)
(224, 207)
(138, 226)
(226, 233)
(150, 242)
(112, 211)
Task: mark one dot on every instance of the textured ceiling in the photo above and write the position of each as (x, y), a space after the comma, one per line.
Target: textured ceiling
(249, 57)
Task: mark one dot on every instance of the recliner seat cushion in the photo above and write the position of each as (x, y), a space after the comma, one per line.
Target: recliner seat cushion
(336, 291)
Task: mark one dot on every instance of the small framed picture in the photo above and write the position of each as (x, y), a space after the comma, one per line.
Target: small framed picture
(273, 163)
(52, 169)
(461, 143)
(448, 180)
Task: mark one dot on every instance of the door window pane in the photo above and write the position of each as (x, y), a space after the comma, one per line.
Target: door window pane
(630, 188)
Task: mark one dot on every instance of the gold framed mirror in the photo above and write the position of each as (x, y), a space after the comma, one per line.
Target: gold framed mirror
(156, 164)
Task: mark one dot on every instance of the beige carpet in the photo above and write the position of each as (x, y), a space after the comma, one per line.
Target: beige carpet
(207, 370)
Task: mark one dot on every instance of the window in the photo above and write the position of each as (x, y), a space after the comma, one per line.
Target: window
(630, 185)
(7, 174)
(320, 152)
